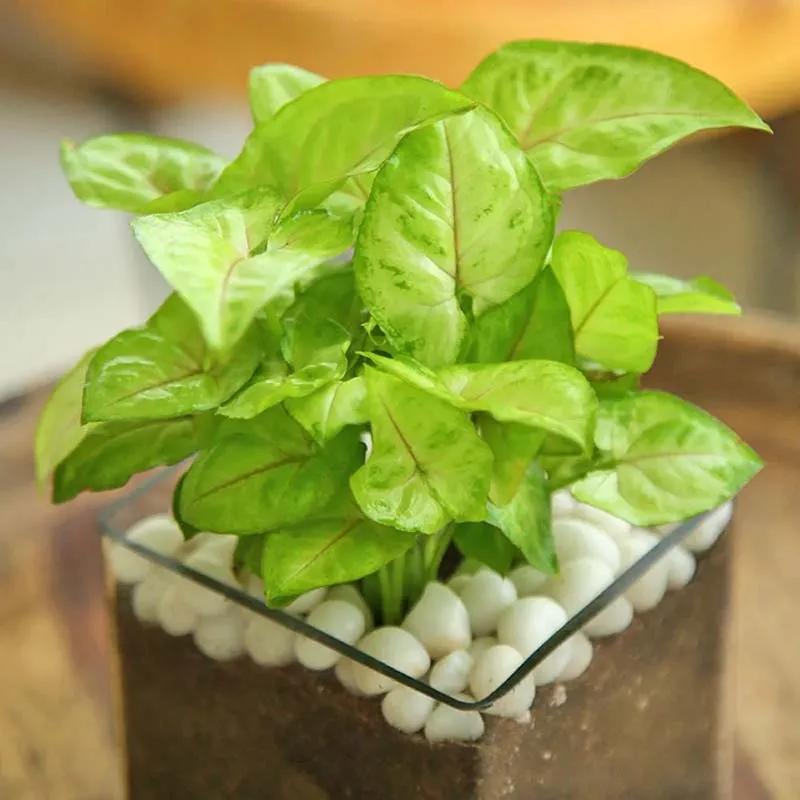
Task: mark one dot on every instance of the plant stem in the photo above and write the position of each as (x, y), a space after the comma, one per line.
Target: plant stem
(396, 586)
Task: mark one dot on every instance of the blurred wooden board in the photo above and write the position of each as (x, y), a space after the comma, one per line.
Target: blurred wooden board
(161, 50)
(56, 737)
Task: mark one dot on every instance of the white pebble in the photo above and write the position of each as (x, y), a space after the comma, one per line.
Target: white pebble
(267, 643)
(305, 602)
(439, 620)
(158, 533)
(175, 617)
(577, 538)
(218, 547)
(578, 583)
(490, 670)
(350, 594)
(406, 709)
(647, 592)
(580, 657)
(336, 617)
(147, 595)
(681, 566)
(562, 502)
(344, 674)
(527, 624)
(451, 724)
(395, 647)
(486, 596)
(221, 636)
(613, 526)
(202, 599)
(480, 645)
(451, 673)
(527, 580)
(709, 530)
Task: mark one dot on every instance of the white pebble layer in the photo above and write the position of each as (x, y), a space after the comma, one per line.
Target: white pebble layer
(508, 616)
(486, 597)
(527, 624)
(451, 673)
(267, 643)
(336, 617)
(647, 592)
(490, 670)
(158, 533)
(395, 647)
(407, 710)
(447, 724)
(580, 657)
(439, 620)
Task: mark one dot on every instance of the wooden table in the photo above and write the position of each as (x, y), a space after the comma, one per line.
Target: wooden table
(162, 50)
(56, 731)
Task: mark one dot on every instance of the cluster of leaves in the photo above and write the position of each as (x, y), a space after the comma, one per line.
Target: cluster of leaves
(378, 267)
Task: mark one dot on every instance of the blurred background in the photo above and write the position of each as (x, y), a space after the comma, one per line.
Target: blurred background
(71, 276)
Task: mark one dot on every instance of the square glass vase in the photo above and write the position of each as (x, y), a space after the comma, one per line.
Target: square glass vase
(648, 719)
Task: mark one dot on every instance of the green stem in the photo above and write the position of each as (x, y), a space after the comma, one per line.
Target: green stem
(396, 586)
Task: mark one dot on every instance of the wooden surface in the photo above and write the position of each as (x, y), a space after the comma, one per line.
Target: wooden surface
(56, 737)
(167, 49)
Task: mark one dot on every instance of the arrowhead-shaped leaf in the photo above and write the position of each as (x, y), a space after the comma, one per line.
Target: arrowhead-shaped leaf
(663, 460)
(486, 544)
(264, 473)
(327, 551)
(534, 323)
(525, 521)
(272, 86)
(585, 112)
(227, 259)
(700, 295)
(457, 215)
(60, 429)
(337, 129)
(327, 411)
(428, 465)
(163, 369)
(613, 316)
(110, 453)
(139, 173)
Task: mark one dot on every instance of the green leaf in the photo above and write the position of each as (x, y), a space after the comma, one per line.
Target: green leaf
(163, 369)
(337, 129)
(587, 112)
(327, 411)
(514, 446)
(534, 323)
(249, 552)
(664, 460)
(187, 530)
(701, 295)
(327, 551)
(525, 521)
(110, 453)
(272, 86)
(428, 465)
(264, 473)
(227, 260)
(485, 543)
(541, 394)
(60, 429)
(613, 316)
(139, 173)
(456, 216)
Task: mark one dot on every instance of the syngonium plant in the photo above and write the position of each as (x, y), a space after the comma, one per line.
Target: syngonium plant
(375, 343)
